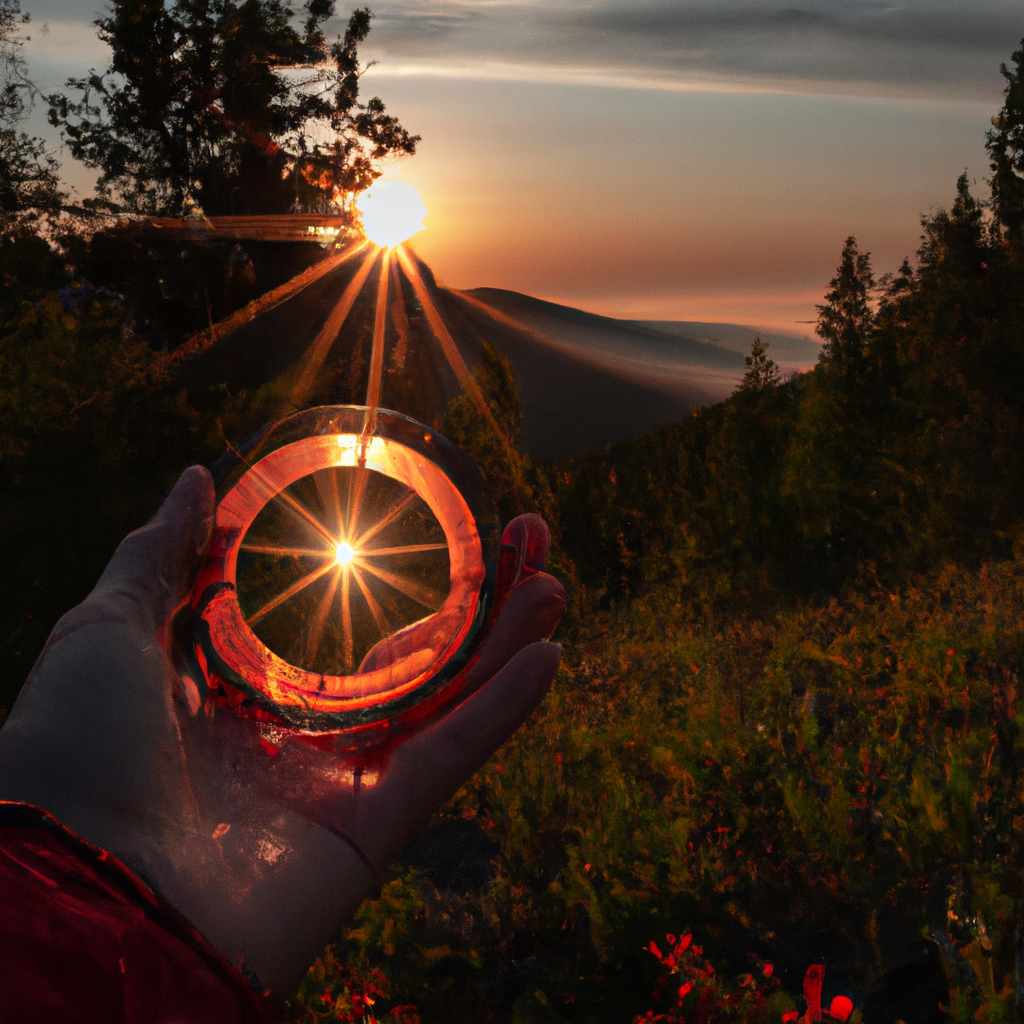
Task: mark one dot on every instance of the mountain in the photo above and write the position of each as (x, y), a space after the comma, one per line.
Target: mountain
(584, 380)
(790, 352)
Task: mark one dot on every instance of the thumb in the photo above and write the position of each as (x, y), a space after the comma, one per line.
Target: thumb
(154, 567)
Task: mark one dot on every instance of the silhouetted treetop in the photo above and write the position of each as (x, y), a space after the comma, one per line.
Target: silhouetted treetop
(227, 105)
(762, 372)
(845, 319)
(1005, 145)
(28, 172)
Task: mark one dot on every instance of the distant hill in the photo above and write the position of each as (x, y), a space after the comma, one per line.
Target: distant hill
(790, 352)
(584, 380)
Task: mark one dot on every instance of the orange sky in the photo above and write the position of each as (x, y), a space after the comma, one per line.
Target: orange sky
(671, 159)
(673, 205)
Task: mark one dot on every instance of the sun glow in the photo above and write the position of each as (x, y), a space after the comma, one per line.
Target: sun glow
(392, 211)
(343, 553)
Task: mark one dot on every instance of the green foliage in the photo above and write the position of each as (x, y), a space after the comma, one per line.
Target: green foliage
(783, 785)
(789, 713)
(398, 950)
(64, 352)
(494, 452)
(201, 104)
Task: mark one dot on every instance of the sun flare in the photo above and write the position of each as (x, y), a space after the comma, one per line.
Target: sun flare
(392, 211)
(343, 553)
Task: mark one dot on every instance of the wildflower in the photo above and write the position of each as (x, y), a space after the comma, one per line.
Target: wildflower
(841, 1008)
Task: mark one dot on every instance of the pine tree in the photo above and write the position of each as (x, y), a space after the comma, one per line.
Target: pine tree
(846, 318)
(1005, 145)
(762, 372)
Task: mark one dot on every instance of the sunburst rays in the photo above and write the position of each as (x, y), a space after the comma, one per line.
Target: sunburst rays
(384, 584)
(369, 587)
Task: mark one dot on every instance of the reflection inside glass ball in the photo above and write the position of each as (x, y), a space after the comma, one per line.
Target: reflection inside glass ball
(344, 558)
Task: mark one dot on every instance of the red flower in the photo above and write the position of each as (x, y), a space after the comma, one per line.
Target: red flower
(768, 970)
(684, 990)
(790, 1015)
(841, 1008)
(653, 947)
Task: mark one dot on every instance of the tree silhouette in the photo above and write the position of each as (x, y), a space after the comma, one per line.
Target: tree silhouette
(28, 172)
(1005, 145)
(762, 372)
(203, 103)
(845, 319)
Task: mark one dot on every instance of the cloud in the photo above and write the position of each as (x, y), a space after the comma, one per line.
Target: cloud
(939, 48)
(912, 47)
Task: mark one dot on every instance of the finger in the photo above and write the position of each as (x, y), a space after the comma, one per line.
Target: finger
(426, 771)
(154, 567)
(523, 551)
(530, 613)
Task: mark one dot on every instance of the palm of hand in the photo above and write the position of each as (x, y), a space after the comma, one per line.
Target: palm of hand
(267, 855)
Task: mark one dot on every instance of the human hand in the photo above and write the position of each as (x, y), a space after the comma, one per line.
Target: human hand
(267, 850)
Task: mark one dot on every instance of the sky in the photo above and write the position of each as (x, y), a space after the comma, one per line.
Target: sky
(689, 160)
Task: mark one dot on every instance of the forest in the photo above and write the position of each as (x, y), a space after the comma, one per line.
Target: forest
(789, 725)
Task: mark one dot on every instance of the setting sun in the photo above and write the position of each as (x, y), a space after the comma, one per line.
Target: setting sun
(392, 211)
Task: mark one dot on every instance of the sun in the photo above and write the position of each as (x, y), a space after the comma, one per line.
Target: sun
(343, 553)
(392, 211)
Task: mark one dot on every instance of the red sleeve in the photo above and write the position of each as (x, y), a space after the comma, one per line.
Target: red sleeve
(83, 940)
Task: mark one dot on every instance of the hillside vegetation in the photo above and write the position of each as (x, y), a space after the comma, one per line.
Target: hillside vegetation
(790, 721)
(790, 716)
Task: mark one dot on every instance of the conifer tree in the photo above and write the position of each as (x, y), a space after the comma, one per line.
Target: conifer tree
(845, 319)
(1005, 145)
(762, 372)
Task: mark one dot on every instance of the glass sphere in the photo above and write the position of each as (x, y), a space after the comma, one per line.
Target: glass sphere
(349, 576)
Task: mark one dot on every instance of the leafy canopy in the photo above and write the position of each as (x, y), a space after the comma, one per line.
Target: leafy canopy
(224, 103)
(28, 173)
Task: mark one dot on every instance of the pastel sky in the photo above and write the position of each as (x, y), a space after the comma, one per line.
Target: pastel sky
(692, 159)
